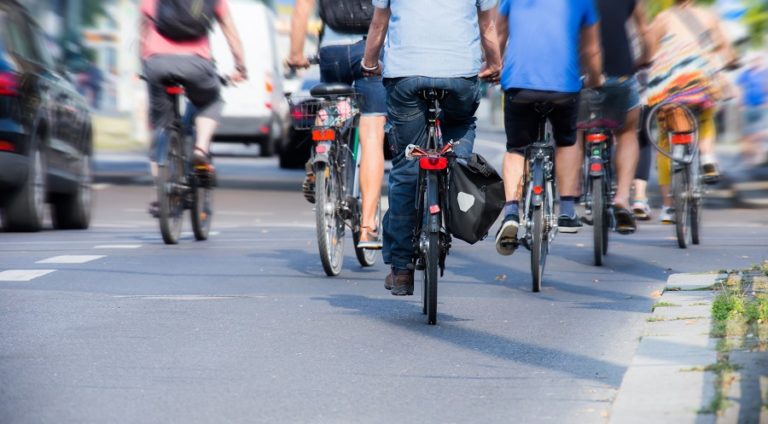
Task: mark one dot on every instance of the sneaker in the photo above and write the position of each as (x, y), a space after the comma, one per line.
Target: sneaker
(308, 186)
(710, 174)
(667, 215)
(399, 282)
(506, 238)
(567, 224)
(625, 220)
(641, 210)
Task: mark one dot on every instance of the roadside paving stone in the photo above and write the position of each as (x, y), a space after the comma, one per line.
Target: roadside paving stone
(699, 326)
(693, 281)
(682, 312)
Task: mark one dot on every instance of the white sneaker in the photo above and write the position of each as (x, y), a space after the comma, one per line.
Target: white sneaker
(667, 215)
(641, 210)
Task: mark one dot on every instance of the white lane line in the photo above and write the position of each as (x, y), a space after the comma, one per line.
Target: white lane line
(119, 226)
(100, 186)
(189, 297)
(117, 246)
(23, 274)
(70, 259)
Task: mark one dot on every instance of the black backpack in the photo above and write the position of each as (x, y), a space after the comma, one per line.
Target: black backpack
(184, 20)
(347, 16)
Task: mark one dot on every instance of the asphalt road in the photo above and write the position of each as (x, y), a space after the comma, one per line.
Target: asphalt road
(114, 326)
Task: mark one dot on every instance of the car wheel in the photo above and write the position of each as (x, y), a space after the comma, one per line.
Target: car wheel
(296, 151)
(26, 209)
(73, 211)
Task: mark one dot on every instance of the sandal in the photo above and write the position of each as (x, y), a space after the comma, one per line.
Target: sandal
(625, 221)
(369, 239)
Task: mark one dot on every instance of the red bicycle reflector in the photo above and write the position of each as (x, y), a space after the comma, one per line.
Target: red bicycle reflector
(6, 146)
(434, 209)
(433, 164)
(326, 134)
(321, 148)
(596, 167)
(9, 84)
(537, 190)
(264, 129)
(174, 90)
(596, 138)
(684, 138)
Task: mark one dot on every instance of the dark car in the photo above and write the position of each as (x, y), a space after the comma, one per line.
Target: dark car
(45, 131)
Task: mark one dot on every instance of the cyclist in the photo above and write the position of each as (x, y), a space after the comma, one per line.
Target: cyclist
(414, 60)
(341, 51)
(563, 28)
(174, 45)
(620, 67)
(688, 39)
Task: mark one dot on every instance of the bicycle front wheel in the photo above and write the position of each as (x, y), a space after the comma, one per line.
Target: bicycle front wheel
(202, 210)
(538, 247)
(329, 225)
(681, 196)
(170, 191)
(432, 254)
(599, 220)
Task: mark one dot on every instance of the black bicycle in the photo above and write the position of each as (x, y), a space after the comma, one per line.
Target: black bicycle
(600, 112)
(180, 185)
(432, 240)
(333, 115)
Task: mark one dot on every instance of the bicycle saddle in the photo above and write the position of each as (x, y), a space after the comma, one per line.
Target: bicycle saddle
(331, 90)
(432, 93)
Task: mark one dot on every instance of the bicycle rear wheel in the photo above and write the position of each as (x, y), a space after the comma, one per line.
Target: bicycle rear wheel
(681, 196)
(202, 209)
(432, 255)
(170, 190)
(696, 203)
(329, 225)
(538, 247)
(599, 220)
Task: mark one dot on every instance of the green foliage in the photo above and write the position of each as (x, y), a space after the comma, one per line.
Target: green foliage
(663, 305)
(757, 310)
(728, 305)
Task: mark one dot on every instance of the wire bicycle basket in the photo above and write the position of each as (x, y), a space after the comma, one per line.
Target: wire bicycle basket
(680, 123)
(605, 107)
(309, 112)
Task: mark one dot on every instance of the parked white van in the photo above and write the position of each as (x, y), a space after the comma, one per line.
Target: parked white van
(256, 110)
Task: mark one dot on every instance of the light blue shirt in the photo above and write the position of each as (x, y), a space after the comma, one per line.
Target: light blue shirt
(542, 52)
(433, 38)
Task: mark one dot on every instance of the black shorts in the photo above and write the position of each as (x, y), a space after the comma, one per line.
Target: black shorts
(521, 118)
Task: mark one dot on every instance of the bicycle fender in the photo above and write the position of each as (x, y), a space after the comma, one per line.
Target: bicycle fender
(322, 152)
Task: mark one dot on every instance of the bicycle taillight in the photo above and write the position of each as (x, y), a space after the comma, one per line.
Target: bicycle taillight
(681, 138)
(596, 137)
(433, 163)
(323, 134)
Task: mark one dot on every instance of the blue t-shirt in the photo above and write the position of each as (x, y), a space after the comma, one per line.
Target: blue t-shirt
(433, 38)
(543, 48)
(754, 82)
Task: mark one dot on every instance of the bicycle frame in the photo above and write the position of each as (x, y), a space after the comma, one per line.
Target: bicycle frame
(539, 183)
(598, 153)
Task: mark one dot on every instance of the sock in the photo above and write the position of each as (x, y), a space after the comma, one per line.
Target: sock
(709, 158)
(511, 207)
(568, 206)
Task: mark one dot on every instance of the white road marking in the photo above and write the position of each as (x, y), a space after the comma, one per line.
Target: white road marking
(70, 259)
(100, 186)
(189, 297)
(23, 274)
(129, 226)
(117, 246)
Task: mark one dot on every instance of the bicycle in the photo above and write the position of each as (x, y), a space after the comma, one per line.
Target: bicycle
(600, 112)
(179, 184)
(333, 116)
(432, 240)
(683, 150)
(538, 221)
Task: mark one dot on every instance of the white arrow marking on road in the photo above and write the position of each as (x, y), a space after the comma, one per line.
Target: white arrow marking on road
(70, 259)
(23, 274)
(117, 246)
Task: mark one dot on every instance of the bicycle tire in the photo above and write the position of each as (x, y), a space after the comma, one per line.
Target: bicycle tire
(202, 210)
(538, 253)
(680, 195)
(599, 224)
(366, 257)
(170, 196)
(329, 225)
(432, 255)
(696, 205)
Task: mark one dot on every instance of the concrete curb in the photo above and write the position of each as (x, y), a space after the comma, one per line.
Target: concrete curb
(665, 382)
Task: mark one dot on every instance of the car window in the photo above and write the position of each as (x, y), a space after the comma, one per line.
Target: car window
(21, 41)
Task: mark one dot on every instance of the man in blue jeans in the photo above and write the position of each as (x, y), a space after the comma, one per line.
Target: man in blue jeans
(413, 60)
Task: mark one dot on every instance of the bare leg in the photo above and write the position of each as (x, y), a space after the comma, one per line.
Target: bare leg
(512, 173)
(205, 127)
(568, 169)
(371, 166)
(641, 187)
(627, 153)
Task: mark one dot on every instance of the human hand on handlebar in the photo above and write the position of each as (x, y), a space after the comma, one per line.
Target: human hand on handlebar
(239, 74)
(490, 72)
(297, 62)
